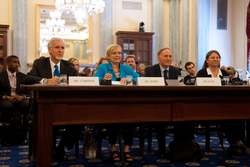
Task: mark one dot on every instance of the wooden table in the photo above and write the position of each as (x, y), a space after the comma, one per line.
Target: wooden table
(71, 105)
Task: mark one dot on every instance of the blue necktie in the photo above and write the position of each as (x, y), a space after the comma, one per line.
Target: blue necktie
(56, 72)
(165, 75)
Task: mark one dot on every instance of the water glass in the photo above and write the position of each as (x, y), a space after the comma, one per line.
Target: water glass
(226, 80)
(181, 79)
(129, 79)
(63, 78)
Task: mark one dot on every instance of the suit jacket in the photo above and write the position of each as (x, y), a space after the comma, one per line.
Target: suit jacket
(203, 73)
(155, 71)
(42, 69)
(5, 88)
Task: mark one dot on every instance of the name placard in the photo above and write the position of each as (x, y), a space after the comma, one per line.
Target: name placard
(200, 81)
(150, 81)
(83, 81)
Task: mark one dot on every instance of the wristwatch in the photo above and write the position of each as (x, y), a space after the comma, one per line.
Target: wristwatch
(45, 81)
(6, 97)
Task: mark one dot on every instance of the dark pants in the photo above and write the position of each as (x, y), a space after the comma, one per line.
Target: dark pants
(234, 130)
(8, 110)
(113, 131)
(69, 136)
(182, 130)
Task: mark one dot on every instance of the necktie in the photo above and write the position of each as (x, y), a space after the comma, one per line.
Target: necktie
(12, 85)
(56, 72)
(165, 75)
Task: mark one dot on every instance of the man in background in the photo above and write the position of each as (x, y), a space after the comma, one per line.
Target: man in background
(190, 67)
(12, 98)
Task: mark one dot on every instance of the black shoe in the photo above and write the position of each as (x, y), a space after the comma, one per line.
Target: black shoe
(245, 150)
(234, 150)
(60, 155)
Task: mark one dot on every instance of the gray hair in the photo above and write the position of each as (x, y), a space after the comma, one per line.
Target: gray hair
(140, 66)
(54, 39)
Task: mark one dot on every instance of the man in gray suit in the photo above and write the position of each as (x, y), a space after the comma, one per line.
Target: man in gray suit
(47, 71)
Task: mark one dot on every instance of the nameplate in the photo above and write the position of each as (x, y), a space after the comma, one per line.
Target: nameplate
(150, 81)
(83, 81)
(206, 81)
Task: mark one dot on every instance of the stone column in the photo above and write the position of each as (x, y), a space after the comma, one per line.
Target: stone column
(106, 27)
(20, 29)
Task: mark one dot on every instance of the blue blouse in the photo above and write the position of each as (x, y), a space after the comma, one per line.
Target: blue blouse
(125, 70)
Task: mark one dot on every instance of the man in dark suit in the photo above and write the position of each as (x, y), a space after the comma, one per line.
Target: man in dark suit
(12, 98)
(47, 71)
(166, 70)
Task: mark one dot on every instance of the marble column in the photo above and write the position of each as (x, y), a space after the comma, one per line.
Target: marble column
(20, 29)
(106, 27)
(174, 29)
(158, 28)
(185, 21)
(203, 31)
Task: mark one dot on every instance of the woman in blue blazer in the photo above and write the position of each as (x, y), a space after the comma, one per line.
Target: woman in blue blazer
(116, 71)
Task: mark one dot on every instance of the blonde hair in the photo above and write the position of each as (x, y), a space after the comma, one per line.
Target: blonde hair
(112, 47)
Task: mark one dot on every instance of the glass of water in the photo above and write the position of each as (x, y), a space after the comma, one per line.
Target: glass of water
(63, 78)
(129, 79)
(181, 79)
(226, 79)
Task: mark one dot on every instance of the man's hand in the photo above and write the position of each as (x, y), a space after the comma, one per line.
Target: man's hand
(55, 80)
(12, 98)
(18, 99)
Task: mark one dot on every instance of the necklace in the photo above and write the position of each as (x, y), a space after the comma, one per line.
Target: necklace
(116, 71)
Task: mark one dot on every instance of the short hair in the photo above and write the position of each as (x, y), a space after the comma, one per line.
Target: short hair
(10, 58)
(86, 70)
(54, 39)
(100, 61)
(140, 66)
(112, 47)
(188, 64)
(205, 65)
(130, 56)
(161, 50)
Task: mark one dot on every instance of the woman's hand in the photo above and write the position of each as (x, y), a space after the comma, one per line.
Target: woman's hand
(123, 81)
(108, 76)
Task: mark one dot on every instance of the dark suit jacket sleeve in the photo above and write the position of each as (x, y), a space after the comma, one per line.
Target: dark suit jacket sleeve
(148, 72)
(34, 76)
(20, 80)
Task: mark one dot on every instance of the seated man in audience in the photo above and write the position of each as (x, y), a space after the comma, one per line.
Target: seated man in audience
(190, 67)
(12, 98)
(47, 71)
(130, 60)
(166, 70)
